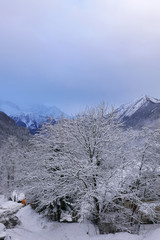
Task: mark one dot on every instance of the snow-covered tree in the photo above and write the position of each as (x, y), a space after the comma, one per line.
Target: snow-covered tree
(141, 181)
(88, 166)
(79, 162)
(12, 165)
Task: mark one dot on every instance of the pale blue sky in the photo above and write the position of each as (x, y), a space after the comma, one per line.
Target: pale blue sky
(73, 53)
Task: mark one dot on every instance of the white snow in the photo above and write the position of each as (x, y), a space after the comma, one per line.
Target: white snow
(2, 231)
(10, 206)
(35, 227)
(155, 235)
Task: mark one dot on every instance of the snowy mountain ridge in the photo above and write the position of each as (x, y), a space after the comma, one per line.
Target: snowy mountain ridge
(145, 110)
(128, 110)
(142, 112)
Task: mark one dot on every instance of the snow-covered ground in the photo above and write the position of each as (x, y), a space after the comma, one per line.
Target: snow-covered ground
(35, 227)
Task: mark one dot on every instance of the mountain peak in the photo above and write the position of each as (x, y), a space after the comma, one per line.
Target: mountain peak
(145, 110)
(129, 109)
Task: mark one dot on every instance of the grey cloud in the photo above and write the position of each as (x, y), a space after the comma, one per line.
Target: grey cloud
(79, 51)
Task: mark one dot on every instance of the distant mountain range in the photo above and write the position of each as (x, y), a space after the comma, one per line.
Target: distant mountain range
(142, 112)
(31, 117)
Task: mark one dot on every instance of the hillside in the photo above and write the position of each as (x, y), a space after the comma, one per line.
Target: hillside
(8, 128)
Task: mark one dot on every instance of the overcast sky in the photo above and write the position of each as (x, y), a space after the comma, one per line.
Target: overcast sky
(73, 53)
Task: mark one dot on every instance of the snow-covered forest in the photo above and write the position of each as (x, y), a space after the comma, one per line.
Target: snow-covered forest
(87, 168)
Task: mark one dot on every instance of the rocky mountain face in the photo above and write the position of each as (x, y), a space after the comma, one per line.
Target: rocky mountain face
(31, 117)
(141, 113)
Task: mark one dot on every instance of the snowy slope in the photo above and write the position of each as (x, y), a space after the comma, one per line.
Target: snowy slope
(34, 227)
